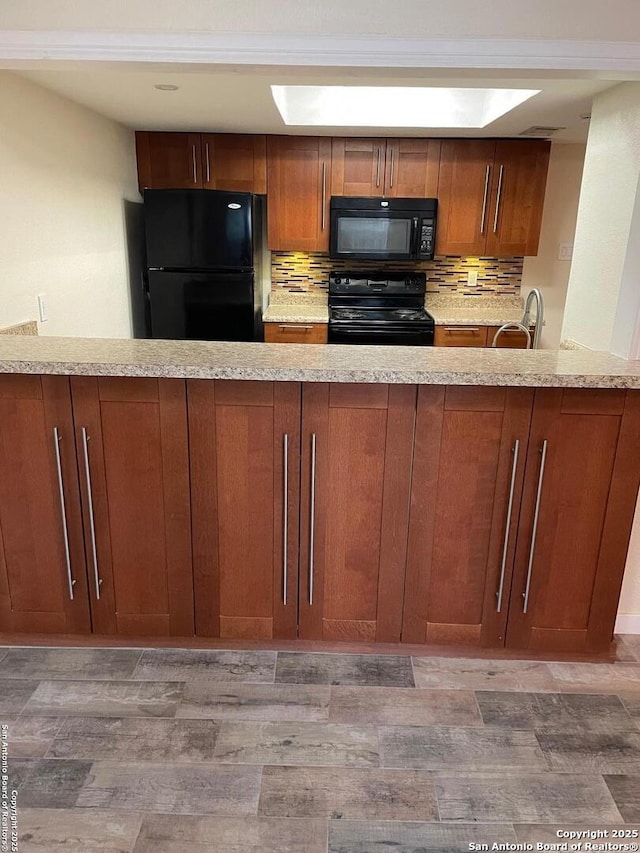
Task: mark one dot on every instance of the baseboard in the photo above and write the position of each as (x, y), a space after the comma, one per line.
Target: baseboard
(628, 623)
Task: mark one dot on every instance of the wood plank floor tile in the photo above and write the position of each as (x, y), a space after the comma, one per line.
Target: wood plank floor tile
(395, 706)
(362, 670)
(77, 831)
(136, 739)
(72, 663)
(172, 788)
(205, 665)
(347, 793)
(31, 737)
(297, 743)
(197, 834)
(626, 792)
(555, 712)
(591, 752)
(524, 798)
(349, 836)
(436, 748)
(278, 702)
(46, 783)
(14, 694)
(596, 677)
(473, 674)
(105, 698)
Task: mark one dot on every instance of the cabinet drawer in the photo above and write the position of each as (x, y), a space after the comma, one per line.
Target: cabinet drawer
(509, 339)
(460, 336)
(295, 333)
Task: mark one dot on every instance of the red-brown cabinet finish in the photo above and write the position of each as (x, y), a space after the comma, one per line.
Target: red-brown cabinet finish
(245, 466)
(412, 168)
(396, 168)
(234, 161)
(356, 469)
(169, 160)
(357, 166)
(583, 470)
(468, 472)
(132, 448)
(42, 585)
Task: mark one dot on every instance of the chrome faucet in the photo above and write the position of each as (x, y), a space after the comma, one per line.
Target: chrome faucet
(534, 296)
(525, 323)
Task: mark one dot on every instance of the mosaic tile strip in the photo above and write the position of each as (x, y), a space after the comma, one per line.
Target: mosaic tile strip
(299, 272)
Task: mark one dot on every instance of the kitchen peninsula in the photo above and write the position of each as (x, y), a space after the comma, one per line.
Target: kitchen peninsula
(256, 491)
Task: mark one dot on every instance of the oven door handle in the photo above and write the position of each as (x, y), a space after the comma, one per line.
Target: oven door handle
(378, 331)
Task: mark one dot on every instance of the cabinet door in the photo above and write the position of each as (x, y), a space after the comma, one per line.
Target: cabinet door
(357, 166)
(468, 471)
(356, 467)
(577, 509)
(464, 186)
(412, 167)
(298, 177)
(43, 586)
(131, 438)
(517, 197)
(168, 160)
(235, 162)
(245, 464)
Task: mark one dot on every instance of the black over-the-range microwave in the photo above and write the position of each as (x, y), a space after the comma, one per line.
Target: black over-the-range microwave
(383, 229)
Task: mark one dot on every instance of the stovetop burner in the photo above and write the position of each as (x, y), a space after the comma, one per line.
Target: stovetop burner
(380, 315)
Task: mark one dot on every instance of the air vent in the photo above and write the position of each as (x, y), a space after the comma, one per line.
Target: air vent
(539, 130)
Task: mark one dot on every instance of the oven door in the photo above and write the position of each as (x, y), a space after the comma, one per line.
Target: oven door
(380, 235)
(380, 335)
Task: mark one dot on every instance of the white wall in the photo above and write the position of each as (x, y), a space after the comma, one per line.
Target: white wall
(65, 172)
(545, 271)
(571, 19)
(628, 621)
(605, 217)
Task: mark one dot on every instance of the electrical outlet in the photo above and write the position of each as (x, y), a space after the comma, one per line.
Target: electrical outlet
(565, 251)
(43, 307)
(472, 278)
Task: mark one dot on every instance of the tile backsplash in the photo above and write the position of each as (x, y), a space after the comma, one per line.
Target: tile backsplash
(300, 272)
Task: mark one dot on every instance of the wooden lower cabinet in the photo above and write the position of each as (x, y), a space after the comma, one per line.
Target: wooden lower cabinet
(295, 333)
(245, 463)
(460, 336)
(43, 586)
(132, 450)
(581, 483)
(467, 481)
(357, 443)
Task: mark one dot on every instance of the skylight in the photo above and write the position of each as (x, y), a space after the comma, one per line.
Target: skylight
(395, 106)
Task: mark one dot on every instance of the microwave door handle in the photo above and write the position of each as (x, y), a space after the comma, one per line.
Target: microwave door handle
(414, 237)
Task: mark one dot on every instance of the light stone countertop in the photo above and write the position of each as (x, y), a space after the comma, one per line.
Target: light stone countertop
(328, 363)
(296, 313)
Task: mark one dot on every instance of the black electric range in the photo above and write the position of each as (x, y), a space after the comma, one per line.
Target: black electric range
(379, 308)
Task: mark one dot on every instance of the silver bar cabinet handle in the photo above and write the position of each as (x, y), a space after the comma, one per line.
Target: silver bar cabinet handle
(312, 515)
(391, 173)
(525, 594)
(193, 163)
(285, 519)
(206, 148)
(461, 329)
(487, 175)
(499, 196)
(324, 193)
(302, 326)
(92, 524)
(57, 438)
(378, 170)
(512, 487)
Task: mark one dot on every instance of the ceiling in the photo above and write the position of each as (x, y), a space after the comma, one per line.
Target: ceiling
(238, 98)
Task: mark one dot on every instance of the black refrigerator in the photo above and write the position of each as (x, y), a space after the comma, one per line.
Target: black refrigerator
(203, 254)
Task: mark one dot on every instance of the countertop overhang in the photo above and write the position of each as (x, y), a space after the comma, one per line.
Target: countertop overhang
(316, 363)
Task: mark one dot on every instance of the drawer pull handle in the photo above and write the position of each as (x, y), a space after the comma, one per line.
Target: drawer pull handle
(514, 468)
(296, 327)
(525, 594)
(57, 438)
(473, 329)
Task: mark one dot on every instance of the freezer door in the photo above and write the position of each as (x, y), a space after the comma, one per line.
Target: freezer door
(201, 306)
(198, 229)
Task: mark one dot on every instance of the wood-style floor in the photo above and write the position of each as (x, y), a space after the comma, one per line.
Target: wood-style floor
(248, 751)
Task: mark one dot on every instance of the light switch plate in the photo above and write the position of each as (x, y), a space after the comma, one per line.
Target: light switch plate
(472, 278)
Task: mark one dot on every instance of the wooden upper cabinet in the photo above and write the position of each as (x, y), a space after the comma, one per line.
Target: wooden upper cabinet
(464, 187)
(43, 587)
(517, 198)
(169, 160)
(490, 196)
(412, 167)
(577, 510)
(298, 188)
(245, 464)
(397, 168)
(356, 466)
(235, 162)
(131, 438)
(468, 471)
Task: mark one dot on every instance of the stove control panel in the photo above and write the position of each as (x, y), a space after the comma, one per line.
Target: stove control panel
(372, 283)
